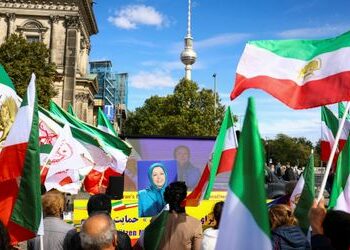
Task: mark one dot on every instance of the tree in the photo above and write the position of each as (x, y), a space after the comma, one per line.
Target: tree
(293, 150)
(189, 111)
(21, 58)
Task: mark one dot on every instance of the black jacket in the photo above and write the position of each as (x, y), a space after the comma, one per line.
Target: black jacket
(289, 238)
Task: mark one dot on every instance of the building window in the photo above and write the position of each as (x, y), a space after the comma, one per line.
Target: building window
(33, 38)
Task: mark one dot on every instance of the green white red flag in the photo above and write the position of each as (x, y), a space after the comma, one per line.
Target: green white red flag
(329, 127)
(104, 124)
(20, 193)
(117, 149)
(221, 161)
(297, 71)
(303, 195)
(244, 221)
(339, 199)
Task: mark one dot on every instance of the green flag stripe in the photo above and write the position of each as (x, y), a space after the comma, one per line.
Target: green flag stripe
(341, 175)
(303, 49)
(330, 119)
(27, 209)
(155, 231)
(5, 79)
(307, 196)
(247, 178)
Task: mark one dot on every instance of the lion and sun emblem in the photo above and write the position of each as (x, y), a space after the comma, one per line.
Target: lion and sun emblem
(8, 111)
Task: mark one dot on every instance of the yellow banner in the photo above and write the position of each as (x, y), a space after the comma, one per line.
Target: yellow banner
(125, 213)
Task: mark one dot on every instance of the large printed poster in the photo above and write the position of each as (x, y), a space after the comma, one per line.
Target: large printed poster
(125, 213)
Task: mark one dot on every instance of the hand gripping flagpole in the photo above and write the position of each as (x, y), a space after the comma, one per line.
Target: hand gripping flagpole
(331, 157)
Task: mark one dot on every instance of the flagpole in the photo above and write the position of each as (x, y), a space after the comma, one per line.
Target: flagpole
(41, 242)
(331, 157)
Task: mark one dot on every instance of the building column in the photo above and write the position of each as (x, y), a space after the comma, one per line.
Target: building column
(79, 99)
(11, 17)
(72, 33)
(53, 40)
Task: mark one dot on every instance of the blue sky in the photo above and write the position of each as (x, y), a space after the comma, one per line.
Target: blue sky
(145, 39)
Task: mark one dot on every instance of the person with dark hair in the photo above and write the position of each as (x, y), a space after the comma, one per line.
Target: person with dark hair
(180, 231)
(210, 235)
(330, 229)
(285, 232)
(100, 204)
(4, 237)
(185, 170)
(56, 231)
(151, 199)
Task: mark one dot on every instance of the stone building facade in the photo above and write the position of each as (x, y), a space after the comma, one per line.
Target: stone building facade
(65, 27)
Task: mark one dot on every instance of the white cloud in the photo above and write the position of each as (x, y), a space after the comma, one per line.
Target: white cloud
(154, 79)
(324, 31)
(220, 40)
(214, 41)
(131, 16)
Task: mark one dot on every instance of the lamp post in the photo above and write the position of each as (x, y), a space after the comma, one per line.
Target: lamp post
(214, 76)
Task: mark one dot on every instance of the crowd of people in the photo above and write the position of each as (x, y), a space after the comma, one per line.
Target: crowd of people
(329, 230)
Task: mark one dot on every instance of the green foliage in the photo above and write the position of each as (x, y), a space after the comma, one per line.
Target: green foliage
(21, 58)
(189, 111)
(293, 150)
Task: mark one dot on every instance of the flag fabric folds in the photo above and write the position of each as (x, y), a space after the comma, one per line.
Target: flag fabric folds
(104, 124)
(20, 197)
(304, 194)
(244, 223)
(117, 149)
(221, 161)
(339, 199)
(329, 127)
(297, 72)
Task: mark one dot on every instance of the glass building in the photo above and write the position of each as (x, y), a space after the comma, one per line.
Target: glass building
(112, 94)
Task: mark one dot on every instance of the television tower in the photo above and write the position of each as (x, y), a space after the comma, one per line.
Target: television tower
(188, 55)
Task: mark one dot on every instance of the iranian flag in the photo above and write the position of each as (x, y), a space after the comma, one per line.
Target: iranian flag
(20, 200)
(297, 72)
(117, 149)
(221, 161)
(244, 221)
(340, 195)
(303, 195)
(104, 124)
(9, 103)
(329, 127)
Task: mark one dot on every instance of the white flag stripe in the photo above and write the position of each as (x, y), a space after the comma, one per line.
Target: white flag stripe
(241, 230)
(343, 200)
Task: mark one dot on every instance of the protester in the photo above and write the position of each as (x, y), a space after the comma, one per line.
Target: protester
(98, 233)
(185, 170)
(55, 229)
(151, 199)
(285, 234)
(180, 230)
(100, 203)
(330, 230)
(210, 235)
